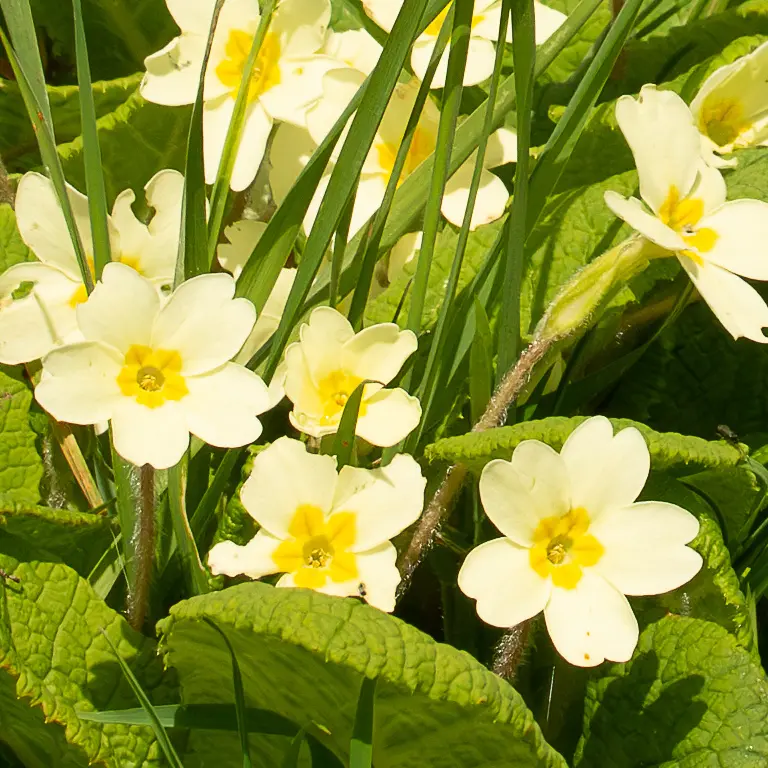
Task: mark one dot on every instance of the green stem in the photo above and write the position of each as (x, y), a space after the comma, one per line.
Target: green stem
(144, 534)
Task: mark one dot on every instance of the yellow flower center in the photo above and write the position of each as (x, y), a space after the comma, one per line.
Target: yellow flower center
(562, 548)
(80, 296)
(682, 215)
(152, 376)
(131, 261)
(266, 70)
(334, 391)
(722, 120)
(318, 548)
(422, 146)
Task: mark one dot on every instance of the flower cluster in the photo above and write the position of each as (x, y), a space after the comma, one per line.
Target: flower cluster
(684, 208)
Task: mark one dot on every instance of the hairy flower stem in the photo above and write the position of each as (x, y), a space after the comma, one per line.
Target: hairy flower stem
(144, 535)
(576, 307)
(510, 650)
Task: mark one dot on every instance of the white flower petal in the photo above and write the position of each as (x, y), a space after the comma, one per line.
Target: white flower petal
(379, 352)
(606, 470)
(269, 319)
(192, 15)
(385, 501)
(222, 406)
(501, 149)
(390, 416)
(736, 304)
(253, 560)
(243, 237)
(339, 86)
(253, 144)
(548, 21)
(42, 226)
(32, 326)
(203, 323)
(290, 151)
(508, 502)
(156, 436)
(173, 73)
(133, 233)
(645, 552)
(659, 129)
(379, 577)
(404, 251)
(300, 88)
(383, 12)
(591, 622)
(81, 383)
(499, 576)
(634, 213)
(491, 201)
(217, 114)
(741, 246)
(354, 47)
(301, 25)
(323, 339)
(709, 187)
(121, 309)
(544, 473)
(285, 477)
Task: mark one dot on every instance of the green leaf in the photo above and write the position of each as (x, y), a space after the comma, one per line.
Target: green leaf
(55, 660)
(55, 535)
(361, 746)
(13, 250)
(20, 467)
(300, 650)
(120, 33)
(690, 698)
(669, 451)
(18, 145)
(137, 139)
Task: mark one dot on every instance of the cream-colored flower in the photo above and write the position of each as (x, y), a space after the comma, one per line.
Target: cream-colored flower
(483, 36)
(354, 48)
(328, 363)
(292, 148)
(731, 107)
(576, 542)
(158, 370)
(325, 530)
(287, 77)
(686, 213)
(243, 237)
(38, 300)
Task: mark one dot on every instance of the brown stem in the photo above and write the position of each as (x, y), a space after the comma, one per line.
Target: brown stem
(442, 502)
(144, 533)
(74, 457)
(6, 190)
(510, 650)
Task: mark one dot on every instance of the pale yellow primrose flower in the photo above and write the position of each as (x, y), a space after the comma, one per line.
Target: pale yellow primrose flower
(291, 149)
(714, 240)
(48, 292)
(330, 360)
(731, 107)
(484, 33)
(286, 79)
(157, 369)
(325, 530)
(576, 542)
(243, 237)
(354, 48)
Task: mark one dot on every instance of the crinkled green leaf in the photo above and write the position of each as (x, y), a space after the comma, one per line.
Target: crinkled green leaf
(12, 247)
(138, 139)
(691, 697)
(663, 58)
(18, 145)
(669, 451)
(53, 653)
(693, 379)
(120, 33)
(20, 466)
(55, 535)
(303, 655)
